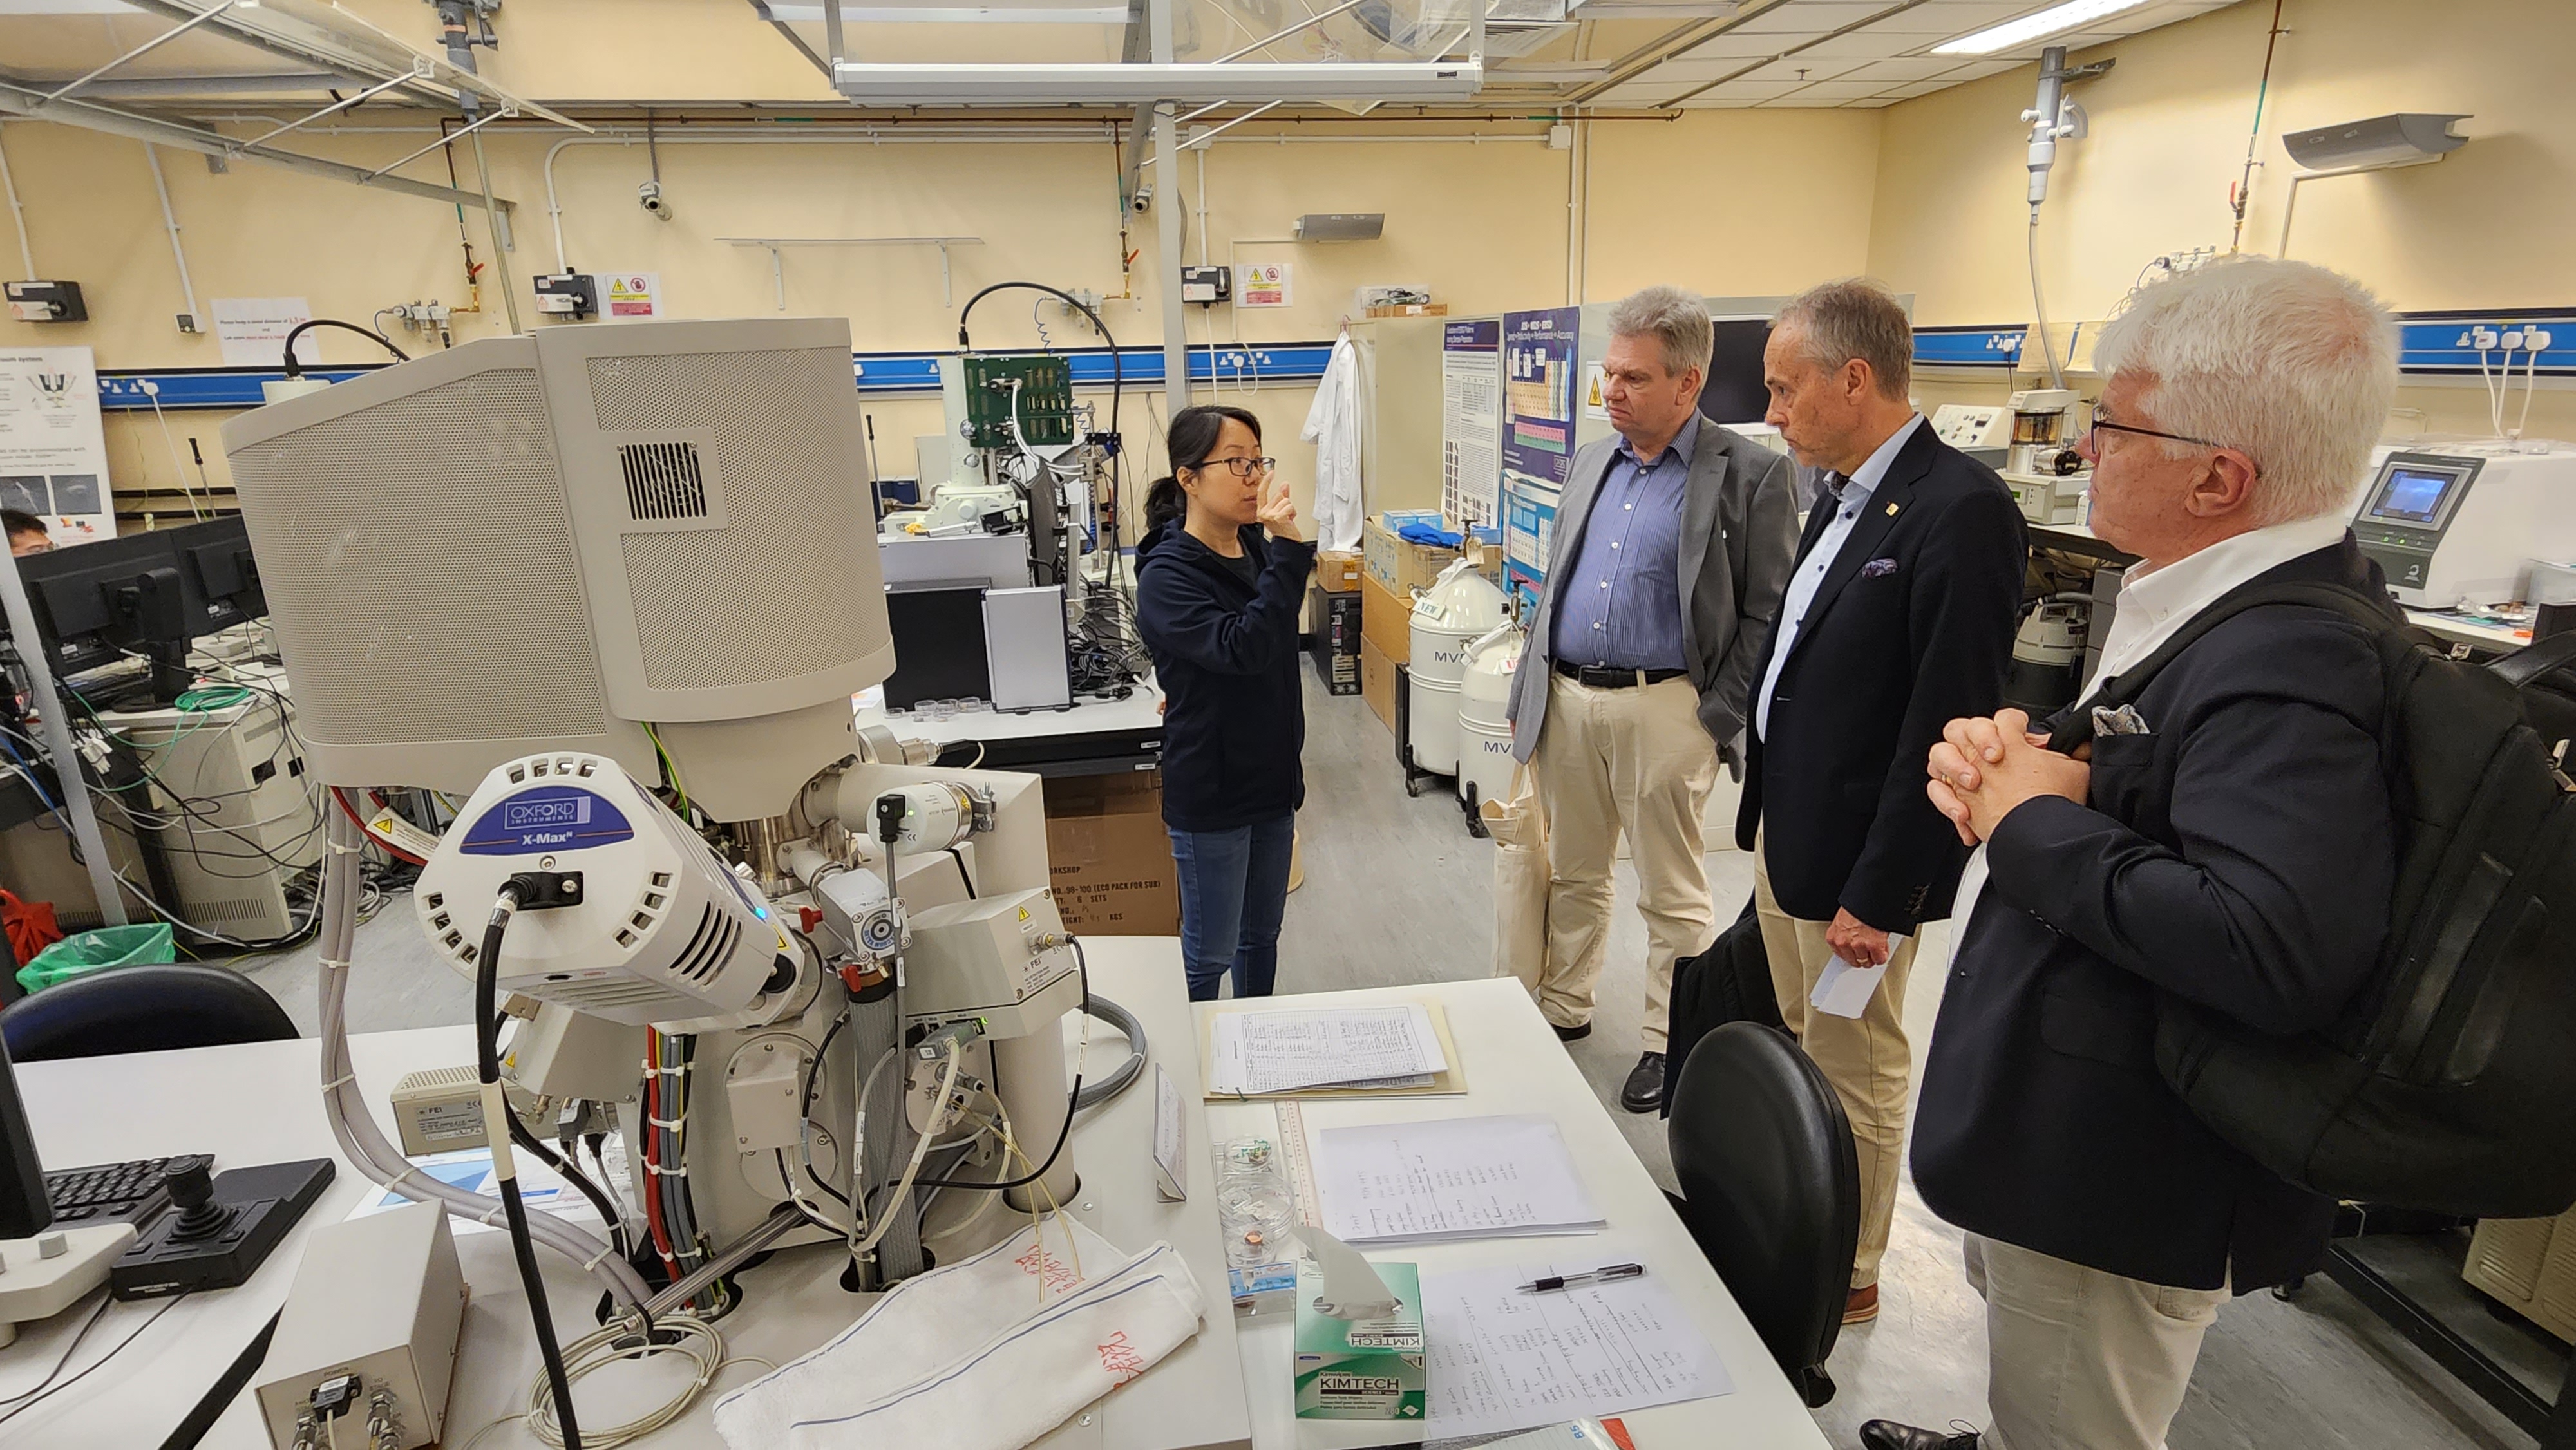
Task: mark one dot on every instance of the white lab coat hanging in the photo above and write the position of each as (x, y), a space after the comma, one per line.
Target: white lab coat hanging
(1333, 426)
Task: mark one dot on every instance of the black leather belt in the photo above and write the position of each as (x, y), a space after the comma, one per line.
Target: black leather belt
(1606, 677)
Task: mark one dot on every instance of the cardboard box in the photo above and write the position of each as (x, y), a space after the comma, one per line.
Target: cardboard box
(1338, 571)
(1377, 682)
(1386, 620)
(1397, 566)
(1361, 1369)
(1109, 857)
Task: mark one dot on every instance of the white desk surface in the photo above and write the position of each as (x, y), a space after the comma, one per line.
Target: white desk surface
(1139, 711)
(1515, 1065)
(261, 1103)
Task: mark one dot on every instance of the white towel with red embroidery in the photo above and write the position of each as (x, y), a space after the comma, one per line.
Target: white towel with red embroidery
(989, 1353)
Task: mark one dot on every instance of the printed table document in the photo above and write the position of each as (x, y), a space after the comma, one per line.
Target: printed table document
(1275, 1052)
(1450, 1178)
(1502, 1359)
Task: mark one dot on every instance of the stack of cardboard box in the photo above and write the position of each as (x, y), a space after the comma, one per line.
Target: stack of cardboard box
(1394, 570)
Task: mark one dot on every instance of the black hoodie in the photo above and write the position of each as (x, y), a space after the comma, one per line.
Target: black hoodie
(1225, 652)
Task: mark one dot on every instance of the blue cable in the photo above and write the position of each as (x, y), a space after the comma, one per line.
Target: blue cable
(33, 783)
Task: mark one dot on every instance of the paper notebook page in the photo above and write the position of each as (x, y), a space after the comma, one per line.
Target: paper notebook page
(1449, 1178)
(1270, 1052)
(1500, 1359)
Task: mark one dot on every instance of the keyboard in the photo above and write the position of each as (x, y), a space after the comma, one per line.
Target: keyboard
(116, 1192)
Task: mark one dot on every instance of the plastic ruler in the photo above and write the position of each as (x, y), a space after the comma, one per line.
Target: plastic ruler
(1300, 1163)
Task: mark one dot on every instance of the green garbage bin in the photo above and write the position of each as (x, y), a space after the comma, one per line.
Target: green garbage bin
(84, 952)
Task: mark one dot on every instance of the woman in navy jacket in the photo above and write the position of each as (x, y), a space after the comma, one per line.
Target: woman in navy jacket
(1220, 574)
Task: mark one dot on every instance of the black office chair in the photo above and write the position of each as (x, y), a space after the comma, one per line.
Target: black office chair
(1770, 1189)
(142, 1009)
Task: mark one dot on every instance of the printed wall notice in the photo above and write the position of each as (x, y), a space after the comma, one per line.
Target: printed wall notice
(53, 454)
(253, 331)
(1265, 284)
(630, 295)
(1471, 396)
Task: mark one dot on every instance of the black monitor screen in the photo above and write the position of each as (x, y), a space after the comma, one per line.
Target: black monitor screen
(939, 651)
(96, 601)
(1734, 391)
(216, 557)
(2413, 495)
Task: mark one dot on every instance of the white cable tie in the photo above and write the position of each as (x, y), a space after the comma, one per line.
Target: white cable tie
(410, 1170)
(336, 964)
(658, 1171)
(672, 1126)
(337, 1083)
(591, 1265)
(337, 849)
(485, 1218)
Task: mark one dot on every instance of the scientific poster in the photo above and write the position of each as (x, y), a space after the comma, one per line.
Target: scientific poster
(1470, 420)
(53, 454)
(1538, 393)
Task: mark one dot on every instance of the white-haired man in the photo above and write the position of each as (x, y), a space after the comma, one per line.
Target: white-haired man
(2227, 841)
(1672, 549)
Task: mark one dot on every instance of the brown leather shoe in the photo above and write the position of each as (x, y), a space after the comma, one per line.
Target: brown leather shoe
(1862, 1306)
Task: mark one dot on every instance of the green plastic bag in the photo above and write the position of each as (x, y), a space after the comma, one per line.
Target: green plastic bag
(84, 952)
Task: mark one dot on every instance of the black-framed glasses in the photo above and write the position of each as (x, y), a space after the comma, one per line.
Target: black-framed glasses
(1243, 467)
(2101, 423)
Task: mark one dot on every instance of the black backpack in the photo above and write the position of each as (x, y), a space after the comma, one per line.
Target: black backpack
(2449, 1083)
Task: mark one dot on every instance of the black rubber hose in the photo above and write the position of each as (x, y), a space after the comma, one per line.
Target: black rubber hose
(487, 1059)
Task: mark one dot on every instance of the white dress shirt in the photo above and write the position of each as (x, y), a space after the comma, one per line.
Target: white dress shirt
(2153, 605)
(1811, 571)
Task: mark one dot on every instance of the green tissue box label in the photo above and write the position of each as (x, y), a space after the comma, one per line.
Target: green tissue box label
(1365, 1369)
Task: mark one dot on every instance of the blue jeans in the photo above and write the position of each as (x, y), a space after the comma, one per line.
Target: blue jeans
(1234, 889)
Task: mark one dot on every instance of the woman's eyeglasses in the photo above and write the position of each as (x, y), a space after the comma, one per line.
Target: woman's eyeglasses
(1243, 467)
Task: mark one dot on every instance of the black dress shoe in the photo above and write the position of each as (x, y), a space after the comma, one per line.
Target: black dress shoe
(1889, 1435)
(1644, 1090)
(1571, 1034)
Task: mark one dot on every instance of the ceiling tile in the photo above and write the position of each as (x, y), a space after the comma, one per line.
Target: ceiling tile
(1904, 69)
(1735, 45)
(1789, 68)
(1871, 103)
(1868, 44)
(1811, 16)
(1918, 88)
(1696, 71)
(1835, 91)
(1953, 17)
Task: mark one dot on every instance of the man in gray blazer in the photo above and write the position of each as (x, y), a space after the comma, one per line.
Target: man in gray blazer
(1673, 546)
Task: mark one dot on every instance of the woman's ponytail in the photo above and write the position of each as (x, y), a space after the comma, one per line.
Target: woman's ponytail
(1164, 502)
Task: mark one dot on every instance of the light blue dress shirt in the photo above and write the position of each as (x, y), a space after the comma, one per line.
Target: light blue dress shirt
(1622, 602)
(1812, 570)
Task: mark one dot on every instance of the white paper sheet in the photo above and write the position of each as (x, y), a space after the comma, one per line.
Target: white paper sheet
(1273, 1052)
(1502, 1360)
(541, 1188)
(1844, 990)
(1450, 1178)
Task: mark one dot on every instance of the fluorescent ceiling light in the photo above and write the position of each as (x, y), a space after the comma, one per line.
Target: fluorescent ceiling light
(2051, 21)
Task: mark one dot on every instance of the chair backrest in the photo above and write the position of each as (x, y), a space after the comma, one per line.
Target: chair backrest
(142, 1009)
(1770, 1185)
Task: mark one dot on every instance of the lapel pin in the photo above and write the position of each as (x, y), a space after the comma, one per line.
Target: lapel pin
(1891, 511)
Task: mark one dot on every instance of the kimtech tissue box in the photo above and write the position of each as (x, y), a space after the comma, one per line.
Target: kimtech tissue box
(1361, 1369)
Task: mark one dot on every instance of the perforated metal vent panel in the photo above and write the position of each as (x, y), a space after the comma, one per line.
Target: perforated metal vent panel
(736, 605)
(341, 583)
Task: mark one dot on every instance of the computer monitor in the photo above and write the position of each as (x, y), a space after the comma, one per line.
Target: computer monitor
(96, 603)
(1734, 391)
(218, 567)
(25, 1211)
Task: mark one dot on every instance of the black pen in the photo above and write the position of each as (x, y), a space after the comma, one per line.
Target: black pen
(1602, 1275)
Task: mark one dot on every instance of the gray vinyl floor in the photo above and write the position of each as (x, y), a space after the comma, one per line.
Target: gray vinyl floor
(1396, 891)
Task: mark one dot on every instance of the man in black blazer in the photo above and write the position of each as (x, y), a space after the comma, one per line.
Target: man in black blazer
(2226, 840)
(1898, 618)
